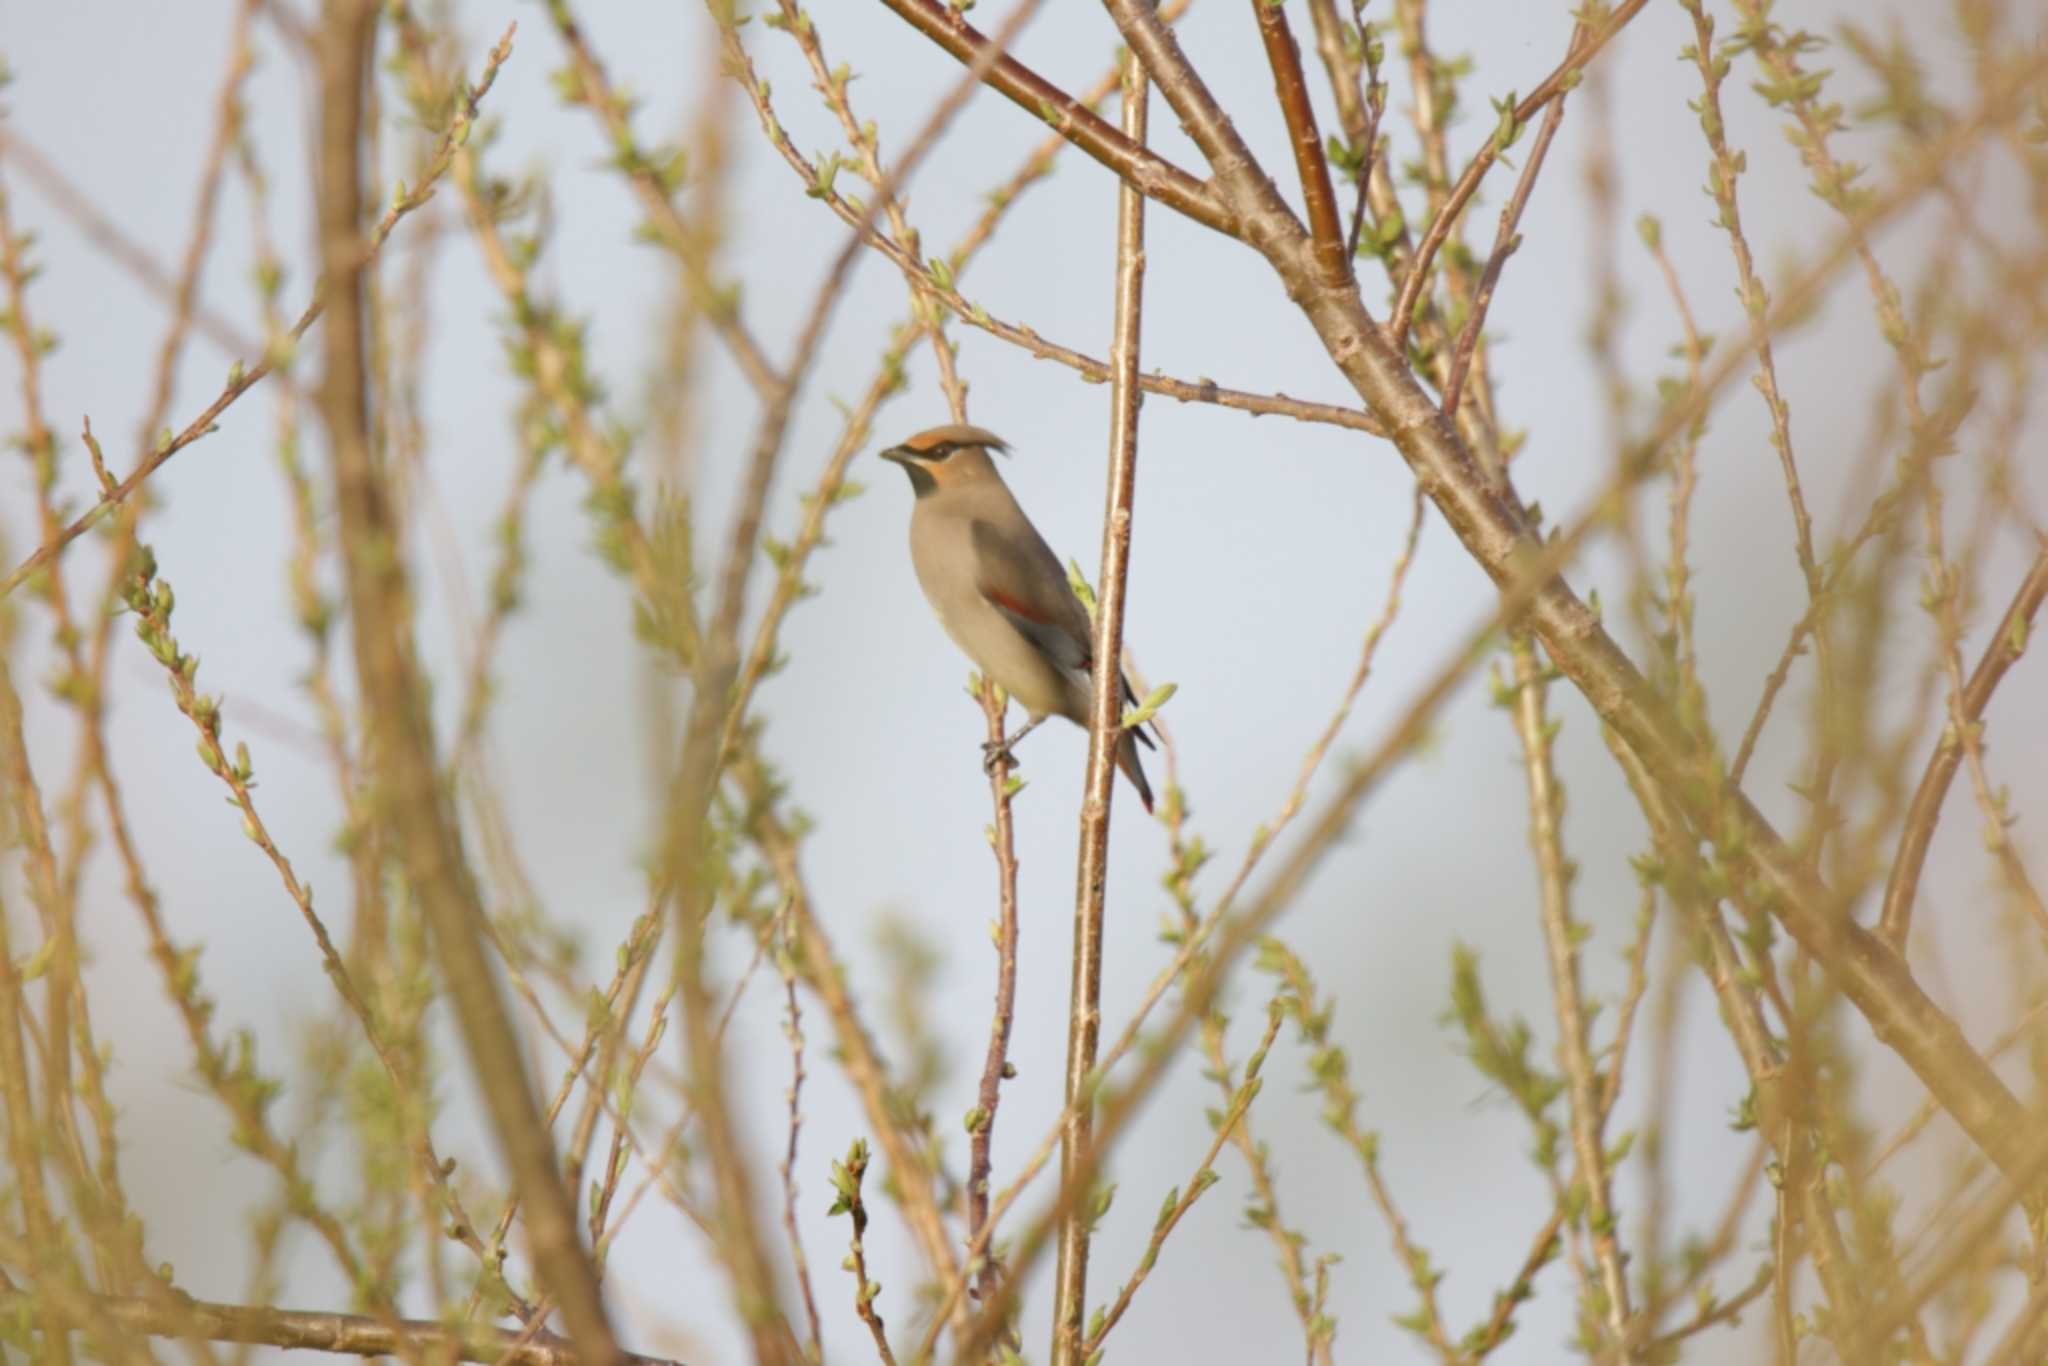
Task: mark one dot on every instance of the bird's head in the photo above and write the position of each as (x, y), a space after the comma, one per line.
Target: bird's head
(951, 456)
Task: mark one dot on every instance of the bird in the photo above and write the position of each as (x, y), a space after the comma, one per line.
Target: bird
(998, 589)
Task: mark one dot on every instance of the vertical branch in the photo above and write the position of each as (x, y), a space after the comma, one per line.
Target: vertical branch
(1546, 805)
(23, 1139)
(1105, 732)
(1291, 87)
(1803, 1199)
(422, 823)
(995, 1065)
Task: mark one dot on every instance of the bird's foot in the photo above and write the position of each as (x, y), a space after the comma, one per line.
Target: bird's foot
(995, 753)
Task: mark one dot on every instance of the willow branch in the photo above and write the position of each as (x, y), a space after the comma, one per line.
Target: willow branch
(1554, 85)
(703, 751)
(318, 1331)
(242, 379)
(1497, 533)
(996, 1060)
(1136, 165)
(1291, 88)
(594, 88)
(1505, 243)
(422, 824)
(1779, 1101)
(1895, 921)
(1105, 733)
(1546, 809)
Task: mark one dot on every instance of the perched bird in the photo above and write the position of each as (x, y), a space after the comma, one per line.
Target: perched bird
(998, 589)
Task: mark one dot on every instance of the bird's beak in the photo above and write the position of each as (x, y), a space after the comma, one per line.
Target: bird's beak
(902, 455)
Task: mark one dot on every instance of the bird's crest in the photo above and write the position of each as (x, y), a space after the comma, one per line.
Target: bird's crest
(936, 440)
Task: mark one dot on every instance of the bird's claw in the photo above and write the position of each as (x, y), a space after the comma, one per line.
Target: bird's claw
(994, 753)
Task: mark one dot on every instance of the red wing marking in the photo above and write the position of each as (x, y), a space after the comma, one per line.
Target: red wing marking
(1017, 607)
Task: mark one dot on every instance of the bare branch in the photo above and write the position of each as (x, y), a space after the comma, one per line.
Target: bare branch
(1105, 735)
(318, 1331)
(1554, 86)
(1284, 56)
(1895, 921)
(422, 827)
(1154, 176)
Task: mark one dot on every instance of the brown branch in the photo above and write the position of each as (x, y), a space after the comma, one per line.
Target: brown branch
(1152, 174)
(24, 1139)
(1505, 243)
(703, 750)
(1181, 1201)
(241, 380)
(1105, 735)
(1587, 1116)
(1542, 1251)
(911, 1171)
(1291, 88)
(1200, 390)
(1895, 921)
(1496, 532)
(422, 824)
(318, 1331)
(794, 1028)
(593, 87)
(1554, 85)
(847, 1177)
(1782, 1099)
(995, 1064)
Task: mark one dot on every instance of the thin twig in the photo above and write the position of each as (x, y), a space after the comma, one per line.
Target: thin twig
(1553, 86)
(995, 1064)
(1182, 1199)
(1546, 811)
(319, 1331)
(240, 379)
(1154, 176)
(1505, 243)
(1895, 920)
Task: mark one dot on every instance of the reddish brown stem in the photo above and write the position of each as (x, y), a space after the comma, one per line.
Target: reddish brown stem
(996, 1063)
(1291, 87)
(1153, 175)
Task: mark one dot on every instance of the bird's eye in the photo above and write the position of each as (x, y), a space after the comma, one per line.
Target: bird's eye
(940, 451)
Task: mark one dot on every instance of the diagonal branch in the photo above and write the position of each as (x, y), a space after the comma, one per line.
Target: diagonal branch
(1554, 85)
(1495, 531)
(1505, 243)
(1151, 173)
(242, 379)
(1896, 919)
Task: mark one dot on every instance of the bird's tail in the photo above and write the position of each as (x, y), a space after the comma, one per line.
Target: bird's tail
(1127, 760)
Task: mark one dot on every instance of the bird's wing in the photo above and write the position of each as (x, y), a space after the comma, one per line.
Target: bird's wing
(1020, 577)
(1027, 585)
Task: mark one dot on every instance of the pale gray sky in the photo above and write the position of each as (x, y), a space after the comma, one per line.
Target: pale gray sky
(1261, 552)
